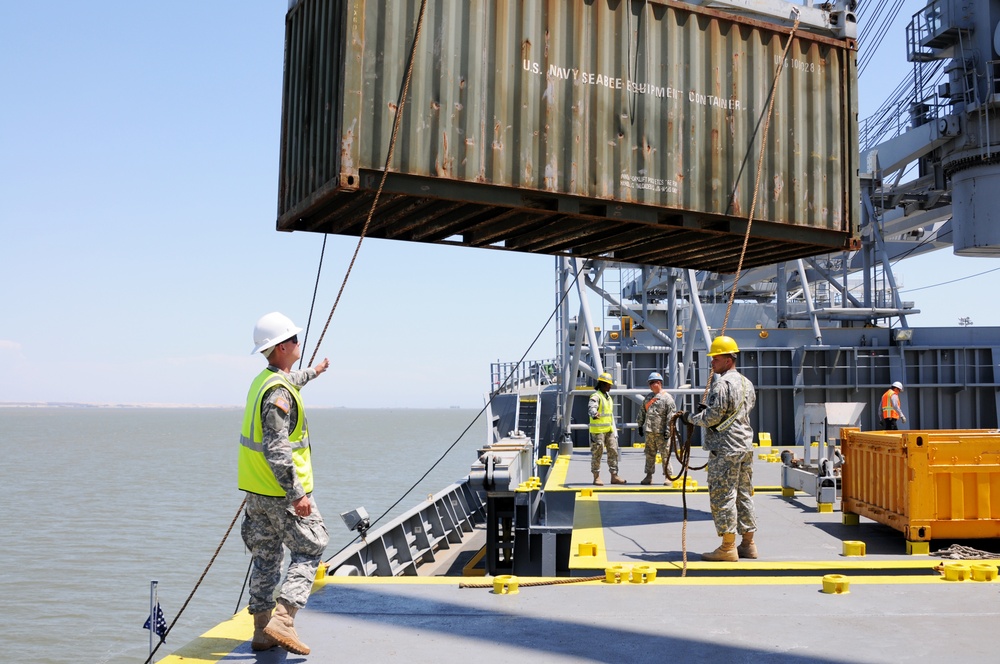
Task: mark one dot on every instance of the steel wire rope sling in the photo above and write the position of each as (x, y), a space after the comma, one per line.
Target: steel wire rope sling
(364, 230)
(683, 453)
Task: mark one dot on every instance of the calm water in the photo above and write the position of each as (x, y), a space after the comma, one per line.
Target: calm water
(102, 501)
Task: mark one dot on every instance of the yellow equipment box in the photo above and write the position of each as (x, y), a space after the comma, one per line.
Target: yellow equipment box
(939, 484)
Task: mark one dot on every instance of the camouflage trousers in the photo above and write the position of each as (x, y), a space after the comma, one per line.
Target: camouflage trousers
(599, 441)
(269, 523)
(730, 492)
(657, 444)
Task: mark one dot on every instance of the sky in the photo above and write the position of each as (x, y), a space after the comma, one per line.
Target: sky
(138, 197)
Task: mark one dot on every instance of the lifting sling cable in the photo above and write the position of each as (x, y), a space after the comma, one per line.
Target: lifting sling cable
(401, 102)
(388, 160)
(489, 401)
(675, 445)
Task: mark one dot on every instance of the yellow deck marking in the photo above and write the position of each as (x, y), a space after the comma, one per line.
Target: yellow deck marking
(215, 644)
(470, 567)
(587, 527)
(816, 579)
(556, 481)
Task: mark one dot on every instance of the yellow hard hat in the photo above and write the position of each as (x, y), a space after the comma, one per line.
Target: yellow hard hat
(606, 378)
(723, 346)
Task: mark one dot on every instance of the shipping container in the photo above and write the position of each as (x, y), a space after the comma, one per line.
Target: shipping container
(591, 128)
(937, 484)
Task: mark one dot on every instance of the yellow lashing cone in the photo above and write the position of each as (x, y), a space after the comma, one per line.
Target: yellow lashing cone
(587, 549)
(505, 585)
(616, 573)
(836, 584)
(643, 574)
(957, 572)
(984, 572)
(854, 548)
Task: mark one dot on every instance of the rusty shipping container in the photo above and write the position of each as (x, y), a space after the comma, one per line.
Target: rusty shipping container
(589, 128)
(940, 484)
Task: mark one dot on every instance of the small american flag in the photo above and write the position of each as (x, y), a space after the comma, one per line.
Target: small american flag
(161, 625)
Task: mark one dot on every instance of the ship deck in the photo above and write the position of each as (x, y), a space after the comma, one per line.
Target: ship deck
(894, 607)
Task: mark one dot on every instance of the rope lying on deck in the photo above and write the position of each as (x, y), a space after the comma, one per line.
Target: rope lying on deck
(531, 584)
(959, 552)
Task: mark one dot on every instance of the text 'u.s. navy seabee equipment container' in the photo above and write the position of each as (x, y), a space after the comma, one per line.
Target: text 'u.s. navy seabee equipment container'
(590, 128)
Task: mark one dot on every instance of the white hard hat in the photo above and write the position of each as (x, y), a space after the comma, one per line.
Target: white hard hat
(271, 330)
(898, 385)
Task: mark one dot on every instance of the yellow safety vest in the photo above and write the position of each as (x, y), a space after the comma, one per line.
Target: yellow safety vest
(255, 475)
(889, 411)
(605, 420)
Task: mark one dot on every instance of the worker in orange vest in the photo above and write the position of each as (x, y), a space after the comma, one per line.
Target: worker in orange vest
(891, 411)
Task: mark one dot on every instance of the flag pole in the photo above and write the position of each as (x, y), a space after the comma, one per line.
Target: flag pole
(152, 613)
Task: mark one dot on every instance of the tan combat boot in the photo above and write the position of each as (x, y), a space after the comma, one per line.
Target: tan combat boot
(648, 479)
(281, 628)
(261, 641)
(597, 480)
(668, 470)
(617, 480)
(726, 551)
(747, 549)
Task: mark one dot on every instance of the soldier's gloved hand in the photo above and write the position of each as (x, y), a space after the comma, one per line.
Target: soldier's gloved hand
(902, 417)
(638, 431)
(685, 418)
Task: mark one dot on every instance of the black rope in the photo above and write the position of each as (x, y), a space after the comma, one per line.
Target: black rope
(312, 305)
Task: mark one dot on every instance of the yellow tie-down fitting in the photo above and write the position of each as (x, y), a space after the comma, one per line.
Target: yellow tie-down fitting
(505, 584)
(836, 584)
(643, 574)
(957, 572)
(680, 484)
(617, 573)
(984, 572)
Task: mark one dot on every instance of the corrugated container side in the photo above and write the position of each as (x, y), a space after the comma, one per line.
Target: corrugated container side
(644, 113)
(926, 484)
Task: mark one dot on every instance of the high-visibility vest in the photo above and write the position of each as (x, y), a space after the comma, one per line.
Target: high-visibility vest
(889, 411)
(605, 420)
(255, 475)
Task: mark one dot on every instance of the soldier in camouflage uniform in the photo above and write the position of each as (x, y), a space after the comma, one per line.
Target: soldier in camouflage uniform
(275, 469)
(602, 430)
(729, 442)
(653, 421)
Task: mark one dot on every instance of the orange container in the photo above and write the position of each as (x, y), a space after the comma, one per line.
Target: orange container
(927, 484)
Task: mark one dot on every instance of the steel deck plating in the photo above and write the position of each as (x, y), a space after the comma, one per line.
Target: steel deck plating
(898, 607)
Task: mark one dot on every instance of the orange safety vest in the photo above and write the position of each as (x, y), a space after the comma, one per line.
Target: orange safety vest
(889, 411)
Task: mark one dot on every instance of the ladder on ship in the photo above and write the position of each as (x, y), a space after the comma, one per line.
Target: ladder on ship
(527, 416)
